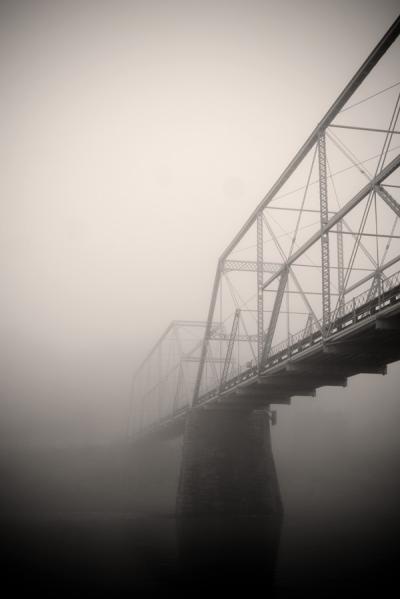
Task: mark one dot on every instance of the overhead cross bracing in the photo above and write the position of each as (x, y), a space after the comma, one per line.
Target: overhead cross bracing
(315, 266)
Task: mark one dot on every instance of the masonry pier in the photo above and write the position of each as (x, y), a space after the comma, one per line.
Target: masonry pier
(227, 464)
(228, 503)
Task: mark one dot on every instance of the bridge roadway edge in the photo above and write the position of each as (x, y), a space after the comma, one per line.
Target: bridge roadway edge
(366, 347)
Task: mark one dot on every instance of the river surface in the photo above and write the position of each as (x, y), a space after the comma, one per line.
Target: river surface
(135, 555)
(65, 531)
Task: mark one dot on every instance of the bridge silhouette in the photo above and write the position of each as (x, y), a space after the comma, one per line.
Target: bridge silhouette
(306, 295)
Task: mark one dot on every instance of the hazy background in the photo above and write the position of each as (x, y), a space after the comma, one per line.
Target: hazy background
(136, 137)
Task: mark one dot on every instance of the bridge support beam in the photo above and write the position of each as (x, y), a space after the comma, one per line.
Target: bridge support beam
(228, 467)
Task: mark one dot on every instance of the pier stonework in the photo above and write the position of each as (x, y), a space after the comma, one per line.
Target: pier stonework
(227, 465)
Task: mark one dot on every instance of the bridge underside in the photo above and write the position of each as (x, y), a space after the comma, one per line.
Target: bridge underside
(367, 351)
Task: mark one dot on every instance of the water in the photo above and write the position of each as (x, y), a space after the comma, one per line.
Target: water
(65, 531)
(118, 555)
(123, 555)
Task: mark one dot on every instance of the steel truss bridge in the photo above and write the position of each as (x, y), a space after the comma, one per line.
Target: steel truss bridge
(307, 293)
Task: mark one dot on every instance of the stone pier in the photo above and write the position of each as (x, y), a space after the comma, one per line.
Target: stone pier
(227, 465)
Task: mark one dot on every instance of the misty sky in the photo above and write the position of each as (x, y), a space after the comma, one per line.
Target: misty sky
(136, 139)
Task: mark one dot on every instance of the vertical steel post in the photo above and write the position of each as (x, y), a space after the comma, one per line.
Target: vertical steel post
(228, 357)
(207, 332)
(308, 327)
(260, 290)
(274, 316)
(340, 260)
(324, 215)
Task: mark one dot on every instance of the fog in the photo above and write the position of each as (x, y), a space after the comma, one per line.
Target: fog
(136, 138)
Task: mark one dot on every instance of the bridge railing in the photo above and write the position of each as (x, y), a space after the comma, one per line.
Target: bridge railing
(350, 307)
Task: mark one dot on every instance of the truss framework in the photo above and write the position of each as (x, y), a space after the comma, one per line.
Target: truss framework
(333, 211)
(358, 219)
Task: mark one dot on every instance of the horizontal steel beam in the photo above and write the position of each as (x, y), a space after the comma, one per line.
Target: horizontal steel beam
(250, 395)
(310, 379)
(387, 324)
(337, 369)
(372, 130)
(345, 347)
(197, 360)
(249, 266)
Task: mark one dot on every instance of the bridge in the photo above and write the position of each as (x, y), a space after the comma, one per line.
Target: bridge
(306, 295)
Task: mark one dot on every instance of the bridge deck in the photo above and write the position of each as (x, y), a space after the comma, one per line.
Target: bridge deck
(364, 340)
